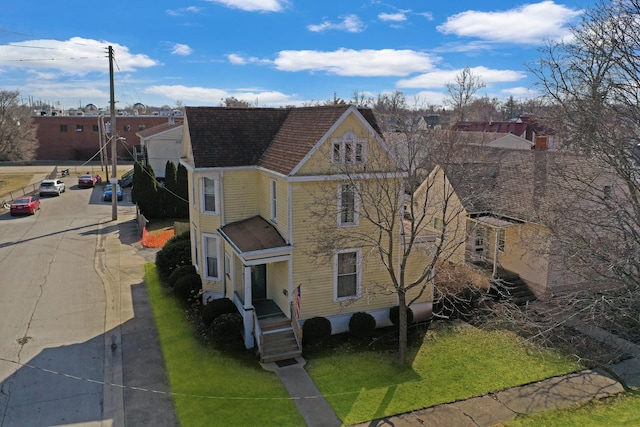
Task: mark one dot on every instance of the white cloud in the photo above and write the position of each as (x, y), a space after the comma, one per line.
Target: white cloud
(529, 24)
(519, 92)
(440, 78)
(196, 95)
(181, 49)
(183, 11)
(237, 59)
(393, 17)
(76, 56)
(349, 23)
(253, 5)
(349, 62)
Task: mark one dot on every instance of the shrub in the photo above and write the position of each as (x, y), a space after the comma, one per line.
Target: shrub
(315, 330)
(180, 237)
(187, 287)
(179, 272)
(173, 255)
(394, 315)
(227, 328)
(216, 308)
(457, 303)
(362, 325)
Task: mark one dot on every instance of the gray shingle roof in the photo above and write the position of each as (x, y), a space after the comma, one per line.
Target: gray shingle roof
(528, 185)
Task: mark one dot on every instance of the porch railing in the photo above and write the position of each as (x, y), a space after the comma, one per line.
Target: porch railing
(257, 333)
(296, 325)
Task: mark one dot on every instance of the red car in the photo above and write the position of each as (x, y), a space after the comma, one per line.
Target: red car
(86, 181)
(25, 205)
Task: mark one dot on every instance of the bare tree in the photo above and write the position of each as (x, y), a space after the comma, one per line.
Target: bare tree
(462, 91)
(410, 221)
(232, 101)
(591, 83)
(17, 129)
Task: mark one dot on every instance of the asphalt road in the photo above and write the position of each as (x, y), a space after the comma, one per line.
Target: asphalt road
(53, 312)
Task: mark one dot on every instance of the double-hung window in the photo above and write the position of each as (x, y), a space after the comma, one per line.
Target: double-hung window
(210, 195)
(211, 255)
(347, 274)
(347, 205)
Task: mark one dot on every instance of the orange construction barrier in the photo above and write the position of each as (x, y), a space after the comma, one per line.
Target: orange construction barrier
(155, 240)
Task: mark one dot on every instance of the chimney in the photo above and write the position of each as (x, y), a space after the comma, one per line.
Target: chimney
(541, 143)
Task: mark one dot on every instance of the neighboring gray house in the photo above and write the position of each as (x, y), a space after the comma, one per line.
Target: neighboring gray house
(160, 144)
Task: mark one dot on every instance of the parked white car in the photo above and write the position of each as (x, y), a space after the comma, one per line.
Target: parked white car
(51, 187)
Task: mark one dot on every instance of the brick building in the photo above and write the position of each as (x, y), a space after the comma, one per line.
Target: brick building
(68, 137)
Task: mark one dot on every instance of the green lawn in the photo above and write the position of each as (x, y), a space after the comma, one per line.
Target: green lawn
(621, 411)
(209, 387)
(449, 364)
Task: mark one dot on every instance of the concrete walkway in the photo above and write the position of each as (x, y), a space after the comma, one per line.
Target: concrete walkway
(313, 407)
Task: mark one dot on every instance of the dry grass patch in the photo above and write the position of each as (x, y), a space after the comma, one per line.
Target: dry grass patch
(11, 182)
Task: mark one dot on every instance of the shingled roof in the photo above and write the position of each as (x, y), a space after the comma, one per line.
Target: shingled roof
(274, 138)
(527, 185)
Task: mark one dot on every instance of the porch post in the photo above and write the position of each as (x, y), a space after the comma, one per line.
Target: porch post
(248, 309)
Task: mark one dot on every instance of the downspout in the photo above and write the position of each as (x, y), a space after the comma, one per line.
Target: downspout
(222, 216)
(495, 254)
(290, 241)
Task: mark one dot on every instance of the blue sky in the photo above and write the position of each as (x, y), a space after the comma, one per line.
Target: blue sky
(271, 52)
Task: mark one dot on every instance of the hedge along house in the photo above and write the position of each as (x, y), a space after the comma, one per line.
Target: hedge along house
(254, 176)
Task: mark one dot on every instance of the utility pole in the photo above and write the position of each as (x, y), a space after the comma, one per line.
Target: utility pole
(114, 142)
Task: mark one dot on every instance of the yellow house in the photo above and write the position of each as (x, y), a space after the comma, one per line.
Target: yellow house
(513, 205)
(256, 179)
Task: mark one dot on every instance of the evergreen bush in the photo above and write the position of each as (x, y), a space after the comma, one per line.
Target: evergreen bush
(213, 309)
(394, 315)
(227, 328)
(177, 273)
(316, 330)
(362, 325)
(187, 287)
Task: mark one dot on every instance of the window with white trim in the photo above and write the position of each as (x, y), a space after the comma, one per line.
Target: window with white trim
(227, 265)
(211, 247)
(347, 205)
(274, 200)
(349, 149)
(209, 195)
(347, 274)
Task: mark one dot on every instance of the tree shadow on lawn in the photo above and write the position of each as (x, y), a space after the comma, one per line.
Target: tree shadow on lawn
(380, 386)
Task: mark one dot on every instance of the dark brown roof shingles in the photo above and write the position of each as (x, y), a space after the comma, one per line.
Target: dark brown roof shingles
(274, 138)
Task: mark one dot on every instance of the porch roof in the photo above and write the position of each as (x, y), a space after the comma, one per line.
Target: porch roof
(495, 222)
(253, 234)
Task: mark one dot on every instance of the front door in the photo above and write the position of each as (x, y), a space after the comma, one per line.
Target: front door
(259, 282)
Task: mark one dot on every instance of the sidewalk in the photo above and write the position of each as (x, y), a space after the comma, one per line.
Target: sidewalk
(136, 390)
